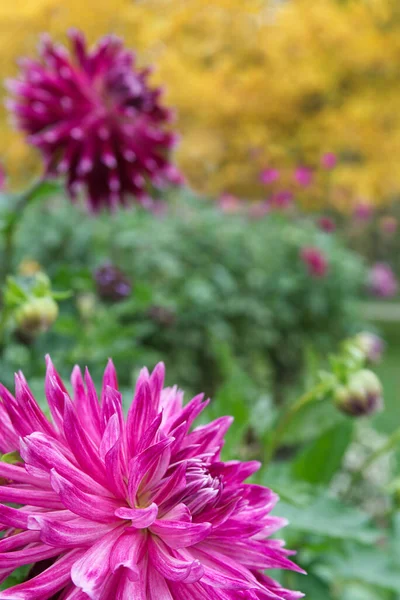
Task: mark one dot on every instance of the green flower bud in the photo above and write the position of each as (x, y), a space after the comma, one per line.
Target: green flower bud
(361, 396)
(36, 316)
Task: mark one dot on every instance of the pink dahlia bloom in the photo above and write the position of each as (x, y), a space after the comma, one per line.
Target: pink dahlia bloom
(382, 281)
(304, 176)
(269, 175)
(315, 261)
(327, 224)
(282, 199)
(329, 160)
(363, 211)
(137, 508)
(95, 120)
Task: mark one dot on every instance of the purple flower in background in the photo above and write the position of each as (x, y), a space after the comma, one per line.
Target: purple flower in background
(329, 160)
(315, 261)
(327, 224)
(2, 178)
(111, 283)
(382, 281)
(141, 507)
(95, 120)
(269, 175)
(363, 211)
(304, 176)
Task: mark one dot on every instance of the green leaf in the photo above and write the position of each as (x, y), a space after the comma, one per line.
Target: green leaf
(373, 565)
(321, 459)
(328, 517)
(10, 458)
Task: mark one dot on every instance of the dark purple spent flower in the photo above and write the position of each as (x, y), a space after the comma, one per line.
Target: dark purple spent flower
(111, 283)
(96, 121)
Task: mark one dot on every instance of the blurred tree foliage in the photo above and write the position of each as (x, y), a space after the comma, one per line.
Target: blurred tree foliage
(255, 83)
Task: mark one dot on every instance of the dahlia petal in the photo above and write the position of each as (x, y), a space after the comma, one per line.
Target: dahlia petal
(85, 452)
(91, 570)
(170, 566)
(153, 457)
(30, 407)
(109, 380)
(29, 495)
(81, 503)
(171, 486)
(18, 473)
(46, 584)
(54, 390)
(139, 517)
(177, 534)
(31, 554)
(140, 415)
(16, 540)
(13, 517)
(157, 586)
(39, 451)
(65, 534)
(127, 552)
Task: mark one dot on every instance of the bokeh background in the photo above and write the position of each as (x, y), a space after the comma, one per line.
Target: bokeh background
(283, 242)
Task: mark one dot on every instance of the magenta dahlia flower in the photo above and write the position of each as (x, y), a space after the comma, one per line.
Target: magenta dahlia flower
(96, 121)
(137, 508)
(382, 281)
(315, 261)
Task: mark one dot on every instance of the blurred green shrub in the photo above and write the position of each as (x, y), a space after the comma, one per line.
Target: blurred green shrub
(201, 281)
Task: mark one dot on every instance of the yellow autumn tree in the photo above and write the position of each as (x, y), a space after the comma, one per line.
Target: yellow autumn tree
(254, 83)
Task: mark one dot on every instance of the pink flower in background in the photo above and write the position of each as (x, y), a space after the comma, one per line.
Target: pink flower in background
(2, 178)
(259, 209)
(329, 160)
(141, 507)
(363, 211)
(315, 261)
(281, 199)
(388, 225)
(382, 281)
(96, 121)
(268, 176)
(229, 203)
(327, 224)
(304, 176)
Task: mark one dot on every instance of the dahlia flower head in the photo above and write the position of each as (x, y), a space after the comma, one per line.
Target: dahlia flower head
(120, 508)
(315, 261)
(95, 120)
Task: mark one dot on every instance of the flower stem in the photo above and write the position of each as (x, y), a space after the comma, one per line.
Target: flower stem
(9, 234)
(314, 395)
(386, 447)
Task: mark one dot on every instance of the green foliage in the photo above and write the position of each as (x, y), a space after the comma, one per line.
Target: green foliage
(225, 279)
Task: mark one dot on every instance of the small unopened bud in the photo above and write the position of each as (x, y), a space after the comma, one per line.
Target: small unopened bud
(371, 345)
(362, 395)
(36, 316)
(86, 304)
(111, 283)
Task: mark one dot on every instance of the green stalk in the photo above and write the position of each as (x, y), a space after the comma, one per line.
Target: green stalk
(314, 395)
(9, 234)
(388, 446)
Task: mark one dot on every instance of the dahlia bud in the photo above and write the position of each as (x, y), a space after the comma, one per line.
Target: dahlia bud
(372, 346)
(362, 395)
(112, 284)
(36, 316)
